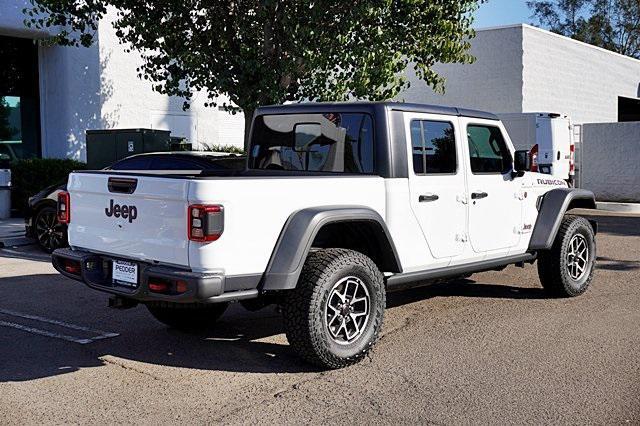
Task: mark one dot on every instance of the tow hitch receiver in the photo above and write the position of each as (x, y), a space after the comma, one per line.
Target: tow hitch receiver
(117, 302)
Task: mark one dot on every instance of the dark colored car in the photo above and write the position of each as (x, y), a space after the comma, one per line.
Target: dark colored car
(41, 220)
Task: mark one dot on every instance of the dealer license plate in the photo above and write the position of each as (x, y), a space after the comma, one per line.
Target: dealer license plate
(124, 273)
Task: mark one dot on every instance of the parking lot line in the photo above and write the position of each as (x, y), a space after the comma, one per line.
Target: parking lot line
(44, 332)
(100, 334)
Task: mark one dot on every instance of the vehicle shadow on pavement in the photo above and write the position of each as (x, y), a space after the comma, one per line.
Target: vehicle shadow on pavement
(241, 341)
(463, 288)
(611, 264)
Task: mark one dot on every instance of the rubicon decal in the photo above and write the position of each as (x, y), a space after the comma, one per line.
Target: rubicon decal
(123, 211)
(555, 182)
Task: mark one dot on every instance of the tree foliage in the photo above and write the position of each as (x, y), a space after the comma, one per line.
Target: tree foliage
(260, 52)
(611, 24)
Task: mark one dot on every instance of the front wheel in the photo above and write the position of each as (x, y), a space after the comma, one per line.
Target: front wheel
(335, 314)
(566, 270)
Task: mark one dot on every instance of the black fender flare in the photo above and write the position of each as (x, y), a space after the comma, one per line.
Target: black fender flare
(299, 232)
(555, 204)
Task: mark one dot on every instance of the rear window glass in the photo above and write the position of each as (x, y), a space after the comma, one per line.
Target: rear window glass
(172, 163)
(134, 163)
(329, 142)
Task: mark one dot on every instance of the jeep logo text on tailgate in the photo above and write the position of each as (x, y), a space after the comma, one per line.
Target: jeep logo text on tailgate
(125, 212)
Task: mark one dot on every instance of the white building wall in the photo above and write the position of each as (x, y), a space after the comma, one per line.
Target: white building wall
(567, 76)
(521, 68)
(610, 158)
(492, 83)
(98, 88)
(12, 19)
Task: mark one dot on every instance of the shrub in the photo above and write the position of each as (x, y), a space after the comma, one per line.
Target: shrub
(30, 176)
(222, 148)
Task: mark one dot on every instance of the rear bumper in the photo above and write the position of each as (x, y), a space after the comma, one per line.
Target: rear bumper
(95, 271)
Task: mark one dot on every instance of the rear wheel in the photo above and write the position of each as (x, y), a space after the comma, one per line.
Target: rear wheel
(566, 270)
(187, 316)
(334, 316)
(49, 233)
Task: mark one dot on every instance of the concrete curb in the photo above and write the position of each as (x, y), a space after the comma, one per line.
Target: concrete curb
(619, 207)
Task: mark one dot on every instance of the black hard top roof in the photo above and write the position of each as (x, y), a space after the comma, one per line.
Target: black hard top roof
(301, 108)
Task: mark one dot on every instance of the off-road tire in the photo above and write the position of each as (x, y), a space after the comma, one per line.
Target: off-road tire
(304, 308)
(552, 264)
(187, 316)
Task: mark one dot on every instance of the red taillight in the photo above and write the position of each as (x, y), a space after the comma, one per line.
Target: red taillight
(205, 222)
(533, 158)
(158, 286)
(72, 266)
(181, 286)
(572, 160)
(64, 213)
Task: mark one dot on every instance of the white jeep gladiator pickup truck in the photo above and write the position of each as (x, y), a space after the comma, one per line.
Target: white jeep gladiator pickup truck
(338, 204)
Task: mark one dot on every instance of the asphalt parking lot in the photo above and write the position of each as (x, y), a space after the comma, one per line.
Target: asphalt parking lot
(490, 349)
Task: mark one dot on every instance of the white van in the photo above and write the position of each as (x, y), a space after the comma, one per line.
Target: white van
(549, 137)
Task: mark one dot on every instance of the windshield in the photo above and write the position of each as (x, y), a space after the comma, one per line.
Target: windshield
(322, 142)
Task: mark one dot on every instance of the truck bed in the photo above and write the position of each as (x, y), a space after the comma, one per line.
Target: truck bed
(255, 211)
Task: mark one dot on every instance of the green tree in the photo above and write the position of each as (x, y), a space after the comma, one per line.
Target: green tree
(260, 52)
(611, 24)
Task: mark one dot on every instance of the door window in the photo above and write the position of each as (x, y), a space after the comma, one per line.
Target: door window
(433, 147)
(488, 150)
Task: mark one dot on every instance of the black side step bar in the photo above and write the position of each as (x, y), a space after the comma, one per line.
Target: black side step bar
(419, 278)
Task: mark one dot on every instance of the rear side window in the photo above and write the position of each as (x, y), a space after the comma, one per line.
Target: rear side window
(487, 150)
(323, 142)
(433, 147)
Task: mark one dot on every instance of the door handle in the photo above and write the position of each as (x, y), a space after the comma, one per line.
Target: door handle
(478, 195)
(425, 198)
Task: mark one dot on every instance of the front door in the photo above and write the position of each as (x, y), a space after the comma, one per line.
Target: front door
(494, 195)
(436, 180)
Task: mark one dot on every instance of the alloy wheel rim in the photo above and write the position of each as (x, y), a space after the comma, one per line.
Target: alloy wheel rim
(347, 310)
(48, 230)
(577, 258)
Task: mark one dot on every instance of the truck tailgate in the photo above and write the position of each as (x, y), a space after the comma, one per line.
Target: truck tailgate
(147, 224)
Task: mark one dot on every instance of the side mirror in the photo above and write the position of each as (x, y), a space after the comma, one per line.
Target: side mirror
(521, 163)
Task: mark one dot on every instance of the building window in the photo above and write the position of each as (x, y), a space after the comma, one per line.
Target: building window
(628, 109)
(19, 99)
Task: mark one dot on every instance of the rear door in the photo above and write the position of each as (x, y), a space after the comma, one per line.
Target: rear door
(436, 181)
(494, 196)
(137, 217)
(554, 141)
